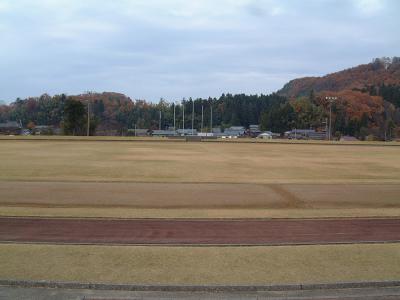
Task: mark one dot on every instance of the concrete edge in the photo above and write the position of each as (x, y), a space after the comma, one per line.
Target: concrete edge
(196, 288)
(190, 245)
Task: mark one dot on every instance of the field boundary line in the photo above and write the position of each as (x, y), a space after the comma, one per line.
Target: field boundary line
(193, 218)
(197, 288)
(183, 219)
(193, 245)
(194, 141)
(310, 182)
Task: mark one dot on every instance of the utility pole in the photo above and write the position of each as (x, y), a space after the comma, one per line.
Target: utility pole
(192, 117)
(330, 100)
(202, 117)
(88, 118)
(159, 123)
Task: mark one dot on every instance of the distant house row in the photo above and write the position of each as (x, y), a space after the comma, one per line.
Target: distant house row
(234, 131)
(15, 128)
(10, 128)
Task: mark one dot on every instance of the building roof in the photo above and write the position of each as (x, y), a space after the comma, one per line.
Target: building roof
(186, 131)
(236, 128)
(43, 126)
(164, 132)
(10, 124)
(233, 132)
(302, 131)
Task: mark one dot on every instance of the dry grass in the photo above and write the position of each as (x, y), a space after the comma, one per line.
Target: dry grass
(197, 162)
(119, 179)
(84, 212)
(263, 180)
(201, 265)
(207, 196)
(177, 200)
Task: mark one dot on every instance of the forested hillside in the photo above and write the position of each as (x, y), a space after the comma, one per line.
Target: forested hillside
(368, 97)
(367, 105)
(117, 112)
(381, 70)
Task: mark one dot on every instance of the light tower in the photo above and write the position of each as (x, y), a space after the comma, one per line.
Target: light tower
(330, 100)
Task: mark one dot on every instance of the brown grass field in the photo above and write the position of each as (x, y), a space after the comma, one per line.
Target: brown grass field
(201, 265)
(177, 200)
(177, 179)
(197, 162)
(127, 178)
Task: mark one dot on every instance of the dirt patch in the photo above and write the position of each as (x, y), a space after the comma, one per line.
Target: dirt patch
(292, 199)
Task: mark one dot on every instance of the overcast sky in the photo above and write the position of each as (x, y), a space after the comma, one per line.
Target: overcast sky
(149, 49)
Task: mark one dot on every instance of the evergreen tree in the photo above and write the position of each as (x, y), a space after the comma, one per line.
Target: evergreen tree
(74, 117)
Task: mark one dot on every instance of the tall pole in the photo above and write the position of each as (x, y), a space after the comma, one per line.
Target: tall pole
(326, 127)
(88, 118)
(331, 100)
(183, 117)
(192, 117)
(174, 117)
(330, 121)
(202, 117)
(159, 123)
(211, 124)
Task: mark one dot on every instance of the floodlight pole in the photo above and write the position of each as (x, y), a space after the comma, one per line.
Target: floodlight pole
(174, 117)
(88, 118)
(202, 117)
(326, 127)
(183, 117)
(192, 117)
(331, 100)
(211, 123)
(330, 121)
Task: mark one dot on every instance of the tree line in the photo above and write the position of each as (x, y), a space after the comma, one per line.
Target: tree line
(373, 110)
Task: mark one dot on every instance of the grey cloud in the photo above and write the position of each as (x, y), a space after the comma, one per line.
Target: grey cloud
(174, 49)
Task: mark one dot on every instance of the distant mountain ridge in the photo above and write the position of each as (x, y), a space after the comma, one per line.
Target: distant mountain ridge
(380, 71)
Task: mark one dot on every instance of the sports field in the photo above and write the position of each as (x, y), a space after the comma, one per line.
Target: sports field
(172, 180)
(177, 162)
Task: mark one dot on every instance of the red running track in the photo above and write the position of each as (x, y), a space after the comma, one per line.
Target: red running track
(198, 232)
